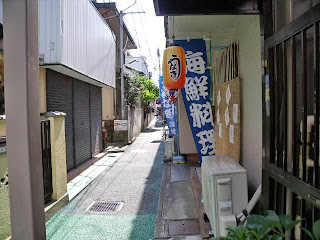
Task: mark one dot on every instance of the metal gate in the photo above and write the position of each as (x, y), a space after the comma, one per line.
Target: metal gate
(81, 115)
(291, 120)
(82, 104)
(46, 160)
(59, 98)
(95, 119)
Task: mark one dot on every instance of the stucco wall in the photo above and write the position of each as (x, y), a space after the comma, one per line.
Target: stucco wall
(58, 154)
(3, 130)
(3, 164)
(43, 93)
(135, 121)
(5, 228)
(248, 33)
(107, 104)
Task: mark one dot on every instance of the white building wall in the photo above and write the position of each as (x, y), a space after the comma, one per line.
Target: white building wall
(138, 63)
(248, 34)
(73, 34)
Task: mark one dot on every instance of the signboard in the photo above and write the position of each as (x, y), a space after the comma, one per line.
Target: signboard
(196, 96)
(120, 125)
(170, 109)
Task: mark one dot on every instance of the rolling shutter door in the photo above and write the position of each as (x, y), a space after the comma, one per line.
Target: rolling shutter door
(59, 98)
(81, 111)
(95, 118)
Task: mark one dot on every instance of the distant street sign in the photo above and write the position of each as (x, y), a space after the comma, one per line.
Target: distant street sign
(120, 125)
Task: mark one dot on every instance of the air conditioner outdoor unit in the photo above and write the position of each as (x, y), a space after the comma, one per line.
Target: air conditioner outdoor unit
(225, 191)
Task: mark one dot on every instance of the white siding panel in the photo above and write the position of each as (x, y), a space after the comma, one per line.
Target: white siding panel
(82, 40)
(49, 31)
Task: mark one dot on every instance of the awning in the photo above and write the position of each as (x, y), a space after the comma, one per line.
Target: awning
(191, 7)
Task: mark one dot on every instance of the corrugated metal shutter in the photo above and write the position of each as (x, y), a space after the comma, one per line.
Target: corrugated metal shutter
(96, 117)
(59, 98)
(81, 111)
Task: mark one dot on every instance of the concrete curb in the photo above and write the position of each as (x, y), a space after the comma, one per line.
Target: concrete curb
(56, 206)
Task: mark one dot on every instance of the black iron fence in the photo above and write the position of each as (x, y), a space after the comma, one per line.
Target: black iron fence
(291, 121)
(46, 159)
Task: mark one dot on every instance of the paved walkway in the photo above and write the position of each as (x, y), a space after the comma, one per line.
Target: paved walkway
(135, 180)
(177, 218)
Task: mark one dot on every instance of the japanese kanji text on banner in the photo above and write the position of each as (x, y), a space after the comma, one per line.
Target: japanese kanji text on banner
(196, 96)
(170, 110)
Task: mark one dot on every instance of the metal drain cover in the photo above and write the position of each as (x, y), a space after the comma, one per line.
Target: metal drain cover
(105, 207)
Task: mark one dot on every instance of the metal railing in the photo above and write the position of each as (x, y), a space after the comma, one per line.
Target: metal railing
(291, 183)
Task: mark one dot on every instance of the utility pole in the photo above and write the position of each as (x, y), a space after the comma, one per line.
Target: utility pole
(121, 59)
(21, 70)
(158, 53)
(122, 66)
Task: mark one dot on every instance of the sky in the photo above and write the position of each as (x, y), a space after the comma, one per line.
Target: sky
(147, 30)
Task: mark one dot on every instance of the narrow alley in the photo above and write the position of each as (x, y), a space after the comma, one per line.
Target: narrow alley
(159, 119)
(135, 180)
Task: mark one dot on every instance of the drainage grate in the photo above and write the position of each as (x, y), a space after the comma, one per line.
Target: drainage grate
(183, 227)
(105, 207)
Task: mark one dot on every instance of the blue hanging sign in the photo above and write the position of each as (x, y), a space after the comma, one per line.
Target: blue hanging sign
(196, 96)
(170, 109)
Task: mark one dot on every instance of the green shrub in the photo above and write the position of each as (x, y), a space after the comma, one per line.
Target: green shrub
(135, 84)
(268, 227)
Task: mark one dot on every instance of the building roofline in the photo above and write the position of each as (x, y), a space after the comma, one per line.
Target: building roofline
(113, 5)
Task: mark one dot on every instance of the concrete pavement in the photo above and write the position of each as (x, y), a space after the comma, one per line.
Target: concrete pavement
(134, 180)
(177, 218)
